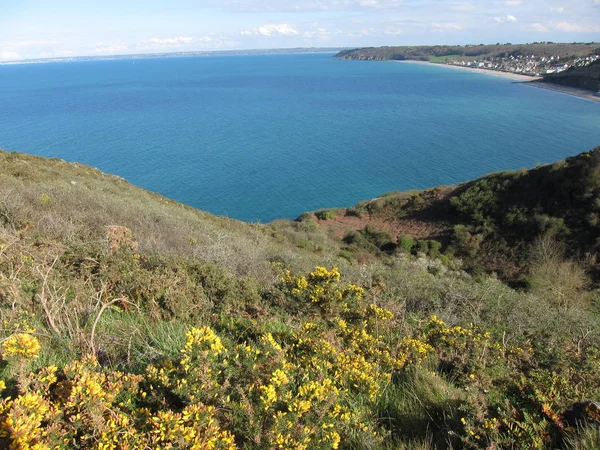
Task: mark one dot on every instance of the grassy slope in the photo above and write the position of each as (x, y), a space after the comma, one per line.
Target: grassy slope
(382, 373)
(70, 203)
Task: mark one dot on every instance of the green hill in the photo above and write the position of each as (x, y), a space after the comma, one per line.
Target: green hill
(587, 77)
(494, 222)
(132, 321)
(435, 52)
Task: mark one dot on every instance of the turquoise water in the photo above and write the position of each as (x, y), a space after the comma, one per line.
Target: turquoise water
(263, 137)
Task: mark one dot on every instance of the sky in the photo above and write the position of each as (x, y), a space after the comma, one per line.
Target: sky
(60, 28)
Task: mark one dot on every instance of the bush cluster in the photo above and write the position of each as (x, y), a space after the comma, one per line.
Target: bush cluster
(338, 380)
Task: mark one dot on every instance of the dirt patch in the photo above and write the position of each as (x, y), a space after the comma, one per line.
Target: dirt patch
(430, 222)
(118, 237)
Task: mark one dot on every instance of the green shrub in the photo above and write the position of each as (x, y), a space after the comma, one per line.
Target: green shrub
(325, 215)
(405, 243)
(476, 202)
(371, 239)
(465, 243)
(306, 217)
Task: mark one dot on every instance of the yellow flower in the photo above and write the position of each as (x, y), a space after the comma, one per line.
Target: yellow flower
(269, 395)
(21, 345)
(321, 274)
(279, 378)
(203, 338)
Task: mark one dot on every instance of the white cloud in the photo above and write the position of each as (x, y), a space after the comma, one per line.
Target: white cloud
(6, 55)
(537, 27)
(559, 9)
(109, 49)
(361, 33)
(318, 31)
(505, 19)
(442, 27)
(273, 29)
(39, 43)
(310, 5)
(370, 3)
(57, 54)
(570, 27)
(512, 2)
(171, 41)
(393, 31)
(462, 7)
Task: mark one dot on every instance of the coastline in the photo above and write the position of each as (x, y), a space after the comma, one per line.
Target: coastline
(513, 76)
(523, 79)
(567, 90)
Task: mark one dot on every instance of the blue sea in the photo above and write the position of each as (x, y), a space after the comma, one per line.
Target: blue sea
(270, 136)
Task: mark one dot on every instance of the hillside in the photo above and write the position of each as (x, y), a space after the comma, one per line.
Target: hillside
(488, 222)
(578, 77)
(428, 52)
(132, 321)
(532, 60)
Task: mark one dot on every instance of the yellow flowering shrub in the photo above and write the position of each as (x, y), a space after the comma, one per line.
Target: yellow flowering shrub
(322, 288)
(84, 406)
(316, 383)
(21, 346)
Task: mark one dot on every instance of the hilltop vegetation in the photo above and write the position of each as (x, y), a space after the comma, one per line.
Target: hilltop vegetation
(435, 52)
(495, 223)
(131, 321)
(587, 77)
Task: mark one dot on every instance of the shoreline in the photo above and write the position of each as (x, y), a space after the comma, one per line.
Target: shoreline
(567, 90)
(523, 79)
(497, 73)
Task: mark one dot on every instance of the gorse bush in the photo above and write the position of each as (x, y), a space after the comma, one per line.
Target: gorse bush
(341, 380)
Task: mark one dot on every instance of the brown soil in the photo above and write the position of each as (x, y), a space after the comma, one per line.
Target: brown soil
(118, 236)
(428, 223)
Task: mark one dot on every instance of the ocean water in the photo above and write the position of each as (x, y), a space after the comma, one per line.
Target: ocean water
(266, 137)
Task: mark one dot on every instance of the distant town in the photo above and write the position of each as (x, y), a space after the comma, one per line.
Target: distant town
(531, 65)
(569, 65)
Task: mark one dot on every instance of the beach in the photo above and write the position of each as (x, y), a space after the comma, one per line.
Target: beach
(512, 76)
(525, 79)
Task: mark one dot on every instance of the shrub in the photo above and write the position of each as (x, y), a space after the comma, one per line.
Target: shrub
(476, 202)
(465, 243)
(325, 215)
(370, 239)
(405, 243)
(353, 212)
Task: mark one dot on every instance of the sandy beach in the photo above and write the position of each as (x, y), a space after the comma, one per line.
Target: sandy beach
(525, 79)
(513, 76)
(510, 75)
